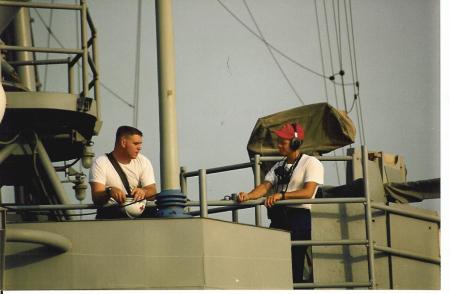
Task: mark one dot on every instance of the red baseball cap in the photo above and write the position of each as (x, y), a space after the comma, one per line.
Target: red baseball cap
(287, 131)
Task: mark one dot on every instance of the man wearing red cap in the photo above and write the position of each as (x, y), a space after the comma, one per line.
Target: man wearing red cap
(298, 176)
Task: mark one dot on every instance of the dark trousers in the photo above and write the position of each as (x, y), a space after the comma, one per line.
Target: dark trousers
(298, 222)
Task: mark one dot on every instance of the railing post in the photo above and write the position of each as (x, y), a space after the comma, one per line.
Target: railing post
(98, 98)
(183, 185)
(202, 190)
(257, 180)
(71, 77)
(234, 213)
(84, 58)
(183, 181)
(234, 216)
(368, 212)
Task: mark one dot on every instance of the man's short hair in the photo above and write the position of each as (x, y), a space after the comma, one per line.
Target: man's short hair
(126, 131)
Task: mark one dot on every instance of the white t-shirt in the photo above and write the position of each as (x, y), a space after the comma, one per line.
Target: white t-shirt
(139, 173)
(308, 169)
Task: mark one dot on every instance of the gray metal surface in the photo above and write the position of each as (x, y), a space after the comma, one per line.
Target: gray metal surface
(397, 235)
(152, 254)
(416, 236)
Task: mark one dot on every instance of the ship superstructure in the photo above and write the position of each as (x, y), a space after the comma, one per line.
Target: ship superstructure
(366, 234)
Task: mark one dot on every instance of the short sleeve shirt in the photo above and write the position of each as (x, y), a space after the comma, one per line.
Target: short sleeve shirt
(139, 172)
(308, 169)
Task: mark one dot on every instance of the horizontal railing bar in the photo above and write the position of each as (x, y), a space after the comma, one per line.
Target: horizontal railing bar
(329, 243)
(59, 206)
(407, 254)
(262, 158)
(321, 158)
(39, 62)
(332, 285)
(220, 169)
(228, 203)
(322, 201)
(281, 202)
(412, 214)
(231, 203)
(40, 5)
(41, 49)
(48, 206)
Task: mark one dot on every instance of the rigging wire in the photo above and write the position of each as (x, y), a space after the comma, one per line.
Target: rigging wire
(271, 53)
(352, 64)
(112, 92)
(268, 44)
(360, 116)
(137, 65)
(321, 52)
(292, 60)
(337, 27)
(329, 49)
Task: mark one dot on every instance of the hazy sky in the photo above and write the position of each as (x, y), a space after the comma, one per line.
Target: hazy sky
(226, 77)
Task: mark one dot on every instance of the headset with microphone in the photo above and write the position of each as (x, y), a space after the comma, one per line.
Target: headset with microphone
(296, 141)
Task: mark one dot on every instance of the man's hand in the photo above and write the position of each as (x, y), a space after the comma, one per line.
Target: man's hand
(270, 201)
(138, 194)
(242, 197)
(118, 195)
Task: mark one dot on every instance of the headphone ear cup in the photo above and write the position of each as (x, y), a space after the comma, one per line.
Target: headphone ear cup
(295, 143)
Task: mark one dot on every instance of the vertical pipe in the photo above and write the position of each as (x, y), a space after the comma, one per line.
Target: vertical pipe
(84, 59)
(23, 38)
(166, 88)
(202, 190)
(137, 66)
(257, 180)
(368, 210)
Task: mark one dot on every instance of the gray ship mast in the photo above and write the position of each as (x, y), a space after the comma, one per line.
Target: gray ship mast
(167, 97)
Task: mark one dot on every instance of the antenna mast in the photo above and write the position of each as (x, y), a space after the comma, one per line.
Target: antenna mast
(167, 107)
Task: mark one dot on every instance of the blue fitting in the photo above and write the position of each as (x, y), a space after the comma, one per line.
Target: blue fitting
(172, 204)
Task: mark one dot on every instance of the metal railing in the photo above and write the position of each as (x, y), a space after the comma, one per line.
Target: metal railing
(366, 201)
(233, 206)
(88, 60)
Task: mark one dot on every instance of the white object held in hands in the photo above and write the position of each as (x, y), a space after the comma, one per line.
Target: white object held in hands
(132, 208)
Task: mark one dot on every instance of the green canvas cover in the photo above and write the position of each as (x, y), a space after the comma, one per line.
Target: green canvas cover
(413, 191)
(325, 127)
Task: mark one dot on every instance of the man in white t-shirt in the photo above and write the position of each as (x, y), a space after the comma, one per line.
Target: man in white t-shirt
(298, 176)
(106, 184)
